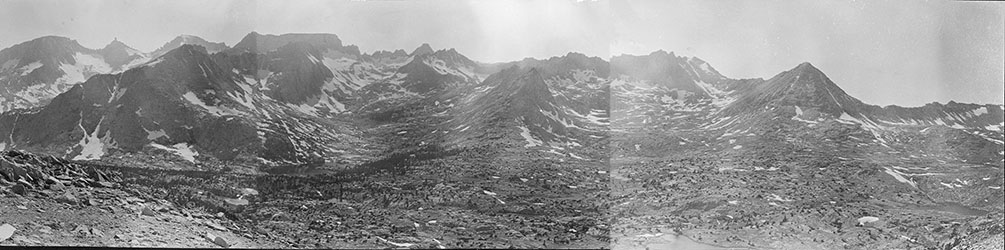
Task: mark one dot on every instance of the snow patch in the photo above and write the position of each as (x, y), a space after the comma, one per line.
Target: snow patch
(181, 149)
(31, 67)
(192, 98)
(980, 111)
(900, 177)
(531, 141)
(91, 146)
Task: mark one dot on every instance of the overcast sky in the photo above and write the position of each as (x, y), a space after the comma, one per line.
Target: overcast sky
(883, 52)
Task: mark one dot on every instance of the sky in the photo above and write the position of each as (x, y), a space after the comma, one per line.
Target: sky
(906, 53)
(883, 52)
(484, 30)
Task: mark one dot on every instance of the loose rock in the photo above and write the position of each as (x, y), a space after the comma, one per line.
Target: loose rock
(216, 226)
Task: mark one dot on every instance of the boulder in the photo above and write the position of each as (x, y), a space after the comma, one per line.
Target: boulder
(219, 241)
(248, 192)
(865, 220)
(147, 211)
(6, 231)
(19, 189)
(67, 198)
(57, 186)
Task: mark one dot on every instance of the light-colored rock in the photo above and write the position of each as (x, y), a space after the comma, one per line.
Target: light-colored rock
(215, 226)
(236, 202)
(248, 192)
(6, 231)
(219, 241)
(866, 220)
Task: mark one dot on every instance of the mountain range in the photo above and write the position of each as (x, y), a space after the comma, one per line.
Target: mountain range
(296, 98)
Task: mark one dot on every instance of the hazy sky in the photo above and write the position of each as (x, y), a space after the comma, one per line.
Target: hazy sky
(485, 30)
(883, 52)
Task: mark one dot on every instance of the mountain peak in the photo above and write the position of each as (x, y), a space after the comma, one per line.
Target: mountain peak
(189, 39)
(661, 53)
(806, 67)
(187, 49)
(51, 42)
(183, 39)
(116, 44)
(422, 50)
(259, 43)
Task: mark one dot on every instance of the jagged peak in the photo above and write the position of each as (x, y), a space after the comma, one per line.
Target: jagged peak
(661, 53)
(575, 54)
(387, 53)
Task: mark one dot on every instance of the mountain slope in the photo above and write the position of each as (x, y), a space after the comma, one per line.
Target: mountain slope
(182, 104)
(665, 70)
(33, 72)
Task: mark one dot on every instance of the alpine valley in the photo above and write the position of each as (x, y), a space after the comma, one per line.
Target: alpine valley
(303, 141)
